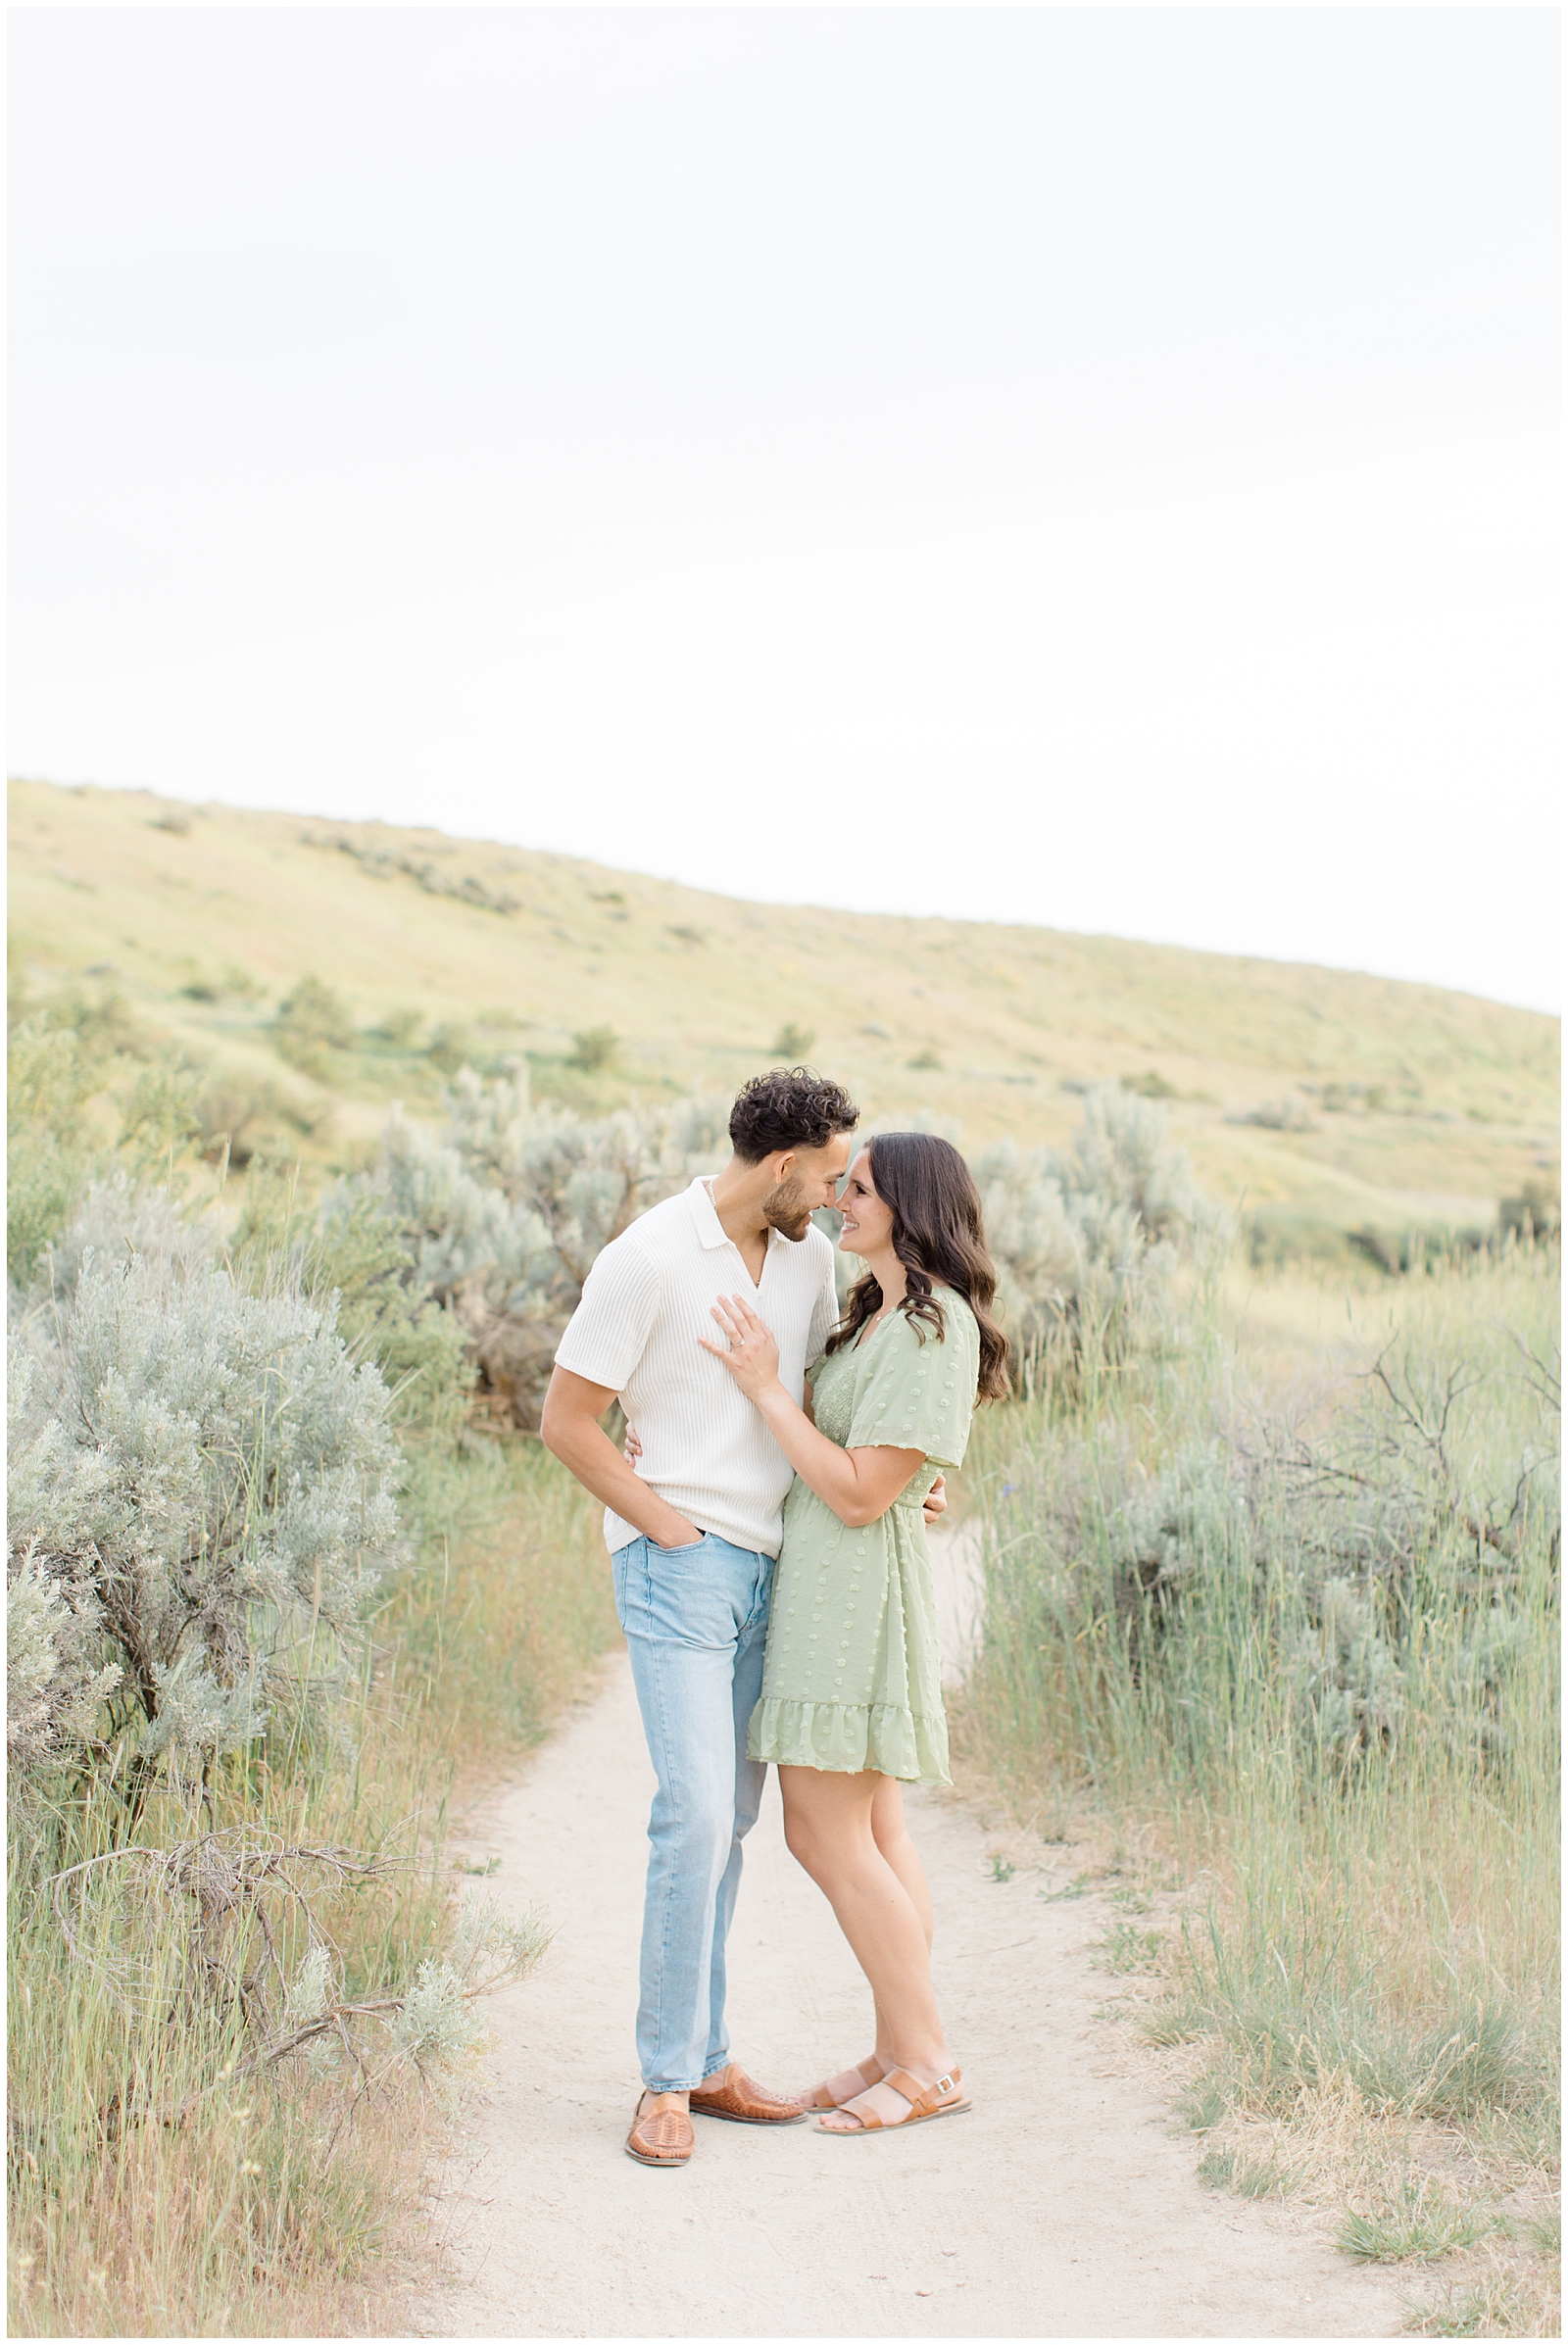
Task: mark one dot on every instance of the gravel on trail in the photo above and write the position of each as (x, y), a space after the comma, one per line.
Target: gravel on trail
(1062, 2205)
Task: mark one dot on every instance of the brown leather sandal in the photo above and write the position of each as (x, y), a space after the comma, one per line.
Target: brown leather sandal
(925, 2100)
(823, 2099)
(659, 2136)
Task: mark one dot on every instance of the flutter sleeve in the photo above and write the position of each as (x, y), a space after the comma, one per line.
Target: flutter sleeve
(921, 1395)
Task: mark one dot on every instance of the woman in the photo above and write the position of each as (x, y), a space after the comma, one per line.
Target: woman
(851, 1689)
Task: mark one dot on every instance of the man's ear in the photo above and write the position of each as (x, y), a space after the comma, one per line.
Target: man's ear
(783, 1165)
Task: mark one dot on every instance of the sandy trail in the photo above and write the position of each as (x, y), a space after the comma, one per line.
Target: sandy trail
(1061, 2206)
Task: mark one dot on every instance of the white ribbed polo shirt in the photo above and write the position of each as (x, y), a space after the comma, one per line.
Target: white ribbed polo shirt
(645, 1303)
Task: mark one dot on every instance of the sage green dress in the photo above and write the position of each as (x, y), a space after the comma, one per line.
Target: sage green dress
(853, 1678)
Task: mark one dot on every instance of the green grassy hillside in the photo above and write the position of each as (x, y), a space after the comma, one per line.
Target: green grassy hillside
(1382, 1103)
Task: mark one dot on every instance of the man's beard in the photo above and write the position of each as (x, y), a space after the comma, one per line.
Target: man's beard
(787, 1209)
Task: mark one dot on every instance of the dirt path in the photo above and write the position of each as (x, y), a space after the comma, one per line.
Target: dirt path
(1061, 2206)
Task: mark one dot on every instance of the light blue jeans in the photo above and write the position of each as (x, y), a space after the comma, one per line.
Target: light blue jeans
(696, 1621)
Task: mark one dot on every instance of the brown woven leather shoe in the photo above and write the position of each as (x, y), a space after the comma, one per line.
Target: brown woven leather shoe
(732, 2095)
(660, 2132)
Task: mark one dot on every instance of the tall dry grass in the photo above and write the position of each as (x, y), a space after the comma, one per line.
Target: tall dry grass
(157, 2189)
(1304, 1645)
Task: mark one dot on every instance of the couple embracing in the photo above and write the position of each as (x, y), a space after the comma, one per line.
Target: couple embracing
(767, 1522)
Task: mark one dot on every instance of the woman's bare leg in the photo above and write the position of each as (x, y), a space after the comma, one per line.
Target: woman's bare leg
(892, 1835)
(827, 1825)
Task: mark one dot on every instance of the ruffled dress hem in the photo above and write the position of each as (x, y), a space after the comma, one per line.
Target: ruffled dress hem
(850, 1738)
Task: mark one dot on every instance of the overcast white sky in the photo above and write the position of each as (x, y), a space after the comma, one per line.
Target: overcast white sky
(1089, 466)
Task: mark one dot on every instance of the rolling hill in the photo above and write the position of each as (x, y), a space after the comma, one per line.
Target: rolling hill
(1329, 1100)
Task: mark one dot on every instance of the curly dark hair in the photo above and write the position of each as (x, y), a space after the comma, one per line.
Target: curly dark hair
(939, 1237)
(789, 1107)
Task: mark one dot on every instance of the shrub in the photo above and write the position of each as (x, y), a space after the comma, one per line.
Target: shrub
(313, 1023)
(381, 862)
(1084, 1242)
(1536, 1213)
(1350, 1686)
(594, 1049)
(352, 1258)
(85, 1095)
(231, 983)
(244, 1905)
(53, 1075)
(202, 1510)
(1313, 1654)
(201, 1483)
(399, 1028)
(450, 1049)
(501, 1220)
(1326, 1560)
(1277, 1115)
(231, 1117)
(55, 1677)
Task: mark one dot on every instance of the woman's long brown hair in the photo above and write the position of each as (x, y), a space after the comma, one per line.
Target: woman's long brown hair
(939, 1237)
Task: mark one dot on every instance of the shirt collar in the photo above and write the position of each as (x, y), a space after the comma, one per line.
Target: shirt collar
(709, 1229)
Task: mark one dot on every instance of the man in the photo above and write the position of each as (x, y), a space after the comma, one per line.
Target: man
(694, 1532)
